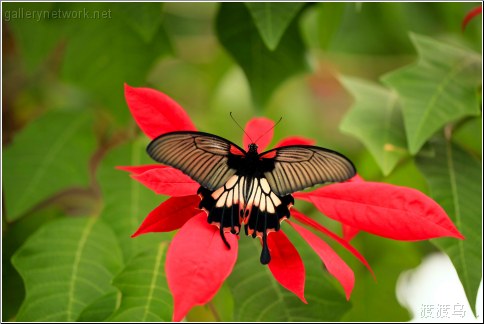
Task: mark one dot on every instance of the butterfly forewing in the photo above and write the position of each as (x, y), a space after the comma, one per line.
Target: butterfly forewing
(300, 167)
(203, 157)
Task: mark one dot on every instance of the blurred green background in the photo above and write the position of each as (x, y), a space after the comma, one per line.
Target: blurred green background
(65, 126)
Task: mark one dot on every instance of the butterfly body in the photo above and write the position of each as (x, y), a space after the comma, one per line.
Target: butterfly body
(246, 188)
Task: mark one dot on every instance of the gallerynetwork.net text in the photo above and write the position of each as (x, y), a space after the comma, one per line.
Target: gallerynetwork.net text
(39, 15)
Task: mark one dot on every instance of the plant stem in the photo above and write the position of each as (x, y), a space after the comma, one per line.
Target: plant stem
(214, 311)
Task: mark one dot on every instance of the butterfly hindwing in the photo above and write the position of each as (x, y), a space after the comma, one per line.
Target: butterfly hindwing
(206, 158)
(298, 167)
(249, 202)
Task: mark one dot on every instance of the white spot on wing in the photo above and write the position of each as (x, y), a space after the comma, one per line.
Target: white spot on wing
(257, 196)
(265, 186)
(232, 181)
(262, 205)
(275, 199)
(221, 200)
(216, 194)
(236, 194)
(270, 207)
(253, 189)
(241, 190)
(230, 198)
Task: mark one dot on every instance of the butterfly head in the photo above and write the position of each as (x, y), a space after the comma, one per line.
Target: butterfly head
(253, 148)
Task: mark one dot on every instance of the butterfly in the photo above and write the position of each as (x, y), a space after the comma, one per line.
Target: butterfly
(249, 188)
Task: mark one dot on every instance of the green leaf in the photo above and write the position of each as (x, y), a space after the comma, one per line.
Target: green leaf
(65, 265)
(467, 135)
(144, 18)
(330, 15)
(35, 34)
(145, 293)
(126, 201)
(453, 177)
(101, 308)
(440, 88)
(50, 154)
(12, 286)
(106, 53)
(259, 297)
(14, 235)
(320, 24)
(272, 19)
(376, 120)
(264, 69)
(376, 29)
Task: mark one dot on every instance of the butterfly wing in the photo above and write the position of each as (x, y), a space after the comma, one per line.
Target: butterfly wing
(300, 166)
(208, 159)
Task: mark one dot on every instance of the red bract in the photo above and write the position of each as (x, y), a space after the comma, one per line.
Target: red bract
(470, 15)
(198, 261)
(387, 210)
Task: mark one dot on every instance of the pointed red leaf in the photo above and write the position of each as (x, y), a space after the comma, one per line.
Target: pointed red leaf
(335, 265)
(349, 232)
(155, 112)
(167, 181)
(170, 215)
(295, 140)
(356, 178)
(259, 130)
(138, 169)
(197, 263)
(473, 13)
(286, 264)
(308, 221)
(387, 210)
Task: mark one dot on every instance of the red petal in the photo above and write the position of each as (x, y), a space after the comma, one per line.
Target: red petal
(167, 181)
(260, 131)
(197, 263)
(474, 12)
(356, 178)
(155, 112)
(308, 221)
(286, 264)
(295, 140)
(170, 215)
(335, 265)
(387, 210)
(138, 169)
(349, 232)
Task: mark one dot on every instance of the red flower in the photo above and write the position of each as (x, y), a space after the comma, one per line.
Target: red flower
(198, 261)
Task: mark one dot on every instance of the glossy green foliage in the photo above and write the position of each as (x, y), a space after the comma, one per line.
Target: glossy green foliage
(394, 86)
(452, 174)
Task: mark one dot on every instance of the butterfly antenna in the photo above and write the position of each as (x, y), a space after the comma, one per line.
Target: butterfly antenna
(240, 127)
(269, 130)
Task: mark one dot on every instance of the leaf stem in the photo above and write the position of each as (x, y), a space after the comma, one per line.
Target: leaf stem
(214, 311)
